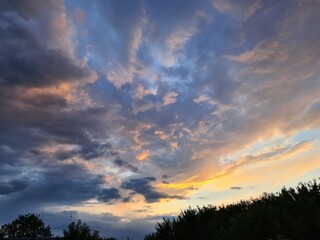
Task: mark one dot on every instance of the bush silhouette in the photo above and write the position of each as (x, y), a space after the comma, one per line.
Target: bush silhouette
(288, 214)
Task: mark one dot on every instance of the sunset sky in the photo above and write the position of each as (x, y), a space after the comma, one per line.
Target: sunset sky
(122, 112)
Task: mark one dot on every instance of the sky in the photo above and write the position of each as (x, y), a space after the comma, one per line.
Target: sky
(122, 112)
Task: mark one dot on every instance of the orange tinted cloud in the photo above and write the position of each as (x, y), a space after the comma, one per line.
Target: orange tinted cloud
(144, 155)
(205, 177)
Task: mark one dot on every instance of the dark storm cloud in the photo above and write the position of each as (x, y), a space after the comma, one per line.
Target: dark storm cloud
(7, 170)
(33, 57)
(93, 150)
(71, 126)
(132, 168)
(24, 60)
(108, 195)
(47, 124)
(64, 155)
(119, 162)
(71, 183)
(49, 183)
(46, 100)
(59, 185)
(88, 150)
(13, 186)
(52, 185)
(143, 186)
(45, 117)
(126, 199)
(27, 9)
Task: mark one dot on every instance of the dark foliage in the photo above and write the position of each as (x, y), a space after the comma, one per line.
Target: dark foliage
(288, 214)
(26, 226)
(80, 231)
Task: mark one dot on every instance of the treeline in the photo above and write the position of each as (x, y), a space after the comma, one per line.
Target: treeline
(31, 226)
(292, 213)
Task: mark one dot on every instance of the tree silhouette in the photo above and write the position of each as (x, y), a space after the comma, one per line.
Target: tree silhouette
(26, 226)
(80, 231)
(288, 214)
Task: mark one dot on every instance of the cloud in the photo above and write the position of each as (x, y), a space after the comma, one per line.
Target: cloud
(143, 155)
(169, 98)
(41, 79)
(123, 40)
(143, 186)
(280, 152)
(263, 51)
(96, 96)
(165, 176)
(272, 154)
(79, 16)
(119, 162)
(126, 165)
(239, 11)
(171, 32)
(13, 186)
(276, 153)
(235, 188)
(133, 168)
(141, 92)
(108, 195)
(26, 59)
(72, 185)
